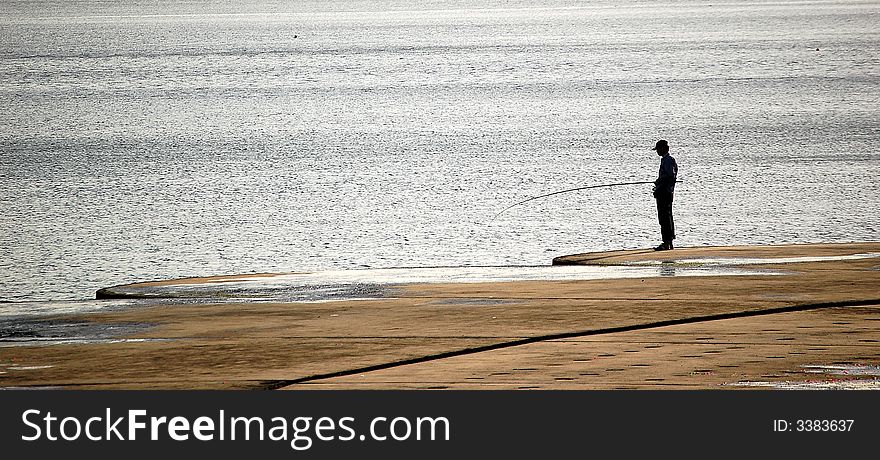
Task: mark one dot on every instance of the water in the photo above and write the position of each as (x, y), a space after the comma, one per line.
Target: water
(829, 377)
(375, 283)
(734, 261)
(150, 142)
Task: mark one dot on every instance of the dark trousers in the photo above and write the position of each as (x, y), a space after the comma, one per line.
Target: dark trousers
(664, 215)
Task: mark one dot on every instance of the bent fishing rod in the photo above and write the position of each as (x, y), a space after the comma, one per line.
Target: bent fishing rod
(570, 190)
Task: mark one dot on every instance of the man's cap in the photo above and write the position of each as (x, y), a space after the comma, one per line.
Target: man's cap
(661, 144)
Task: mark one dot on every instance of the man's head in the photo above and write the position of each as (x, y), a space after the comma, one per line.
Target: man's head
(662, 147)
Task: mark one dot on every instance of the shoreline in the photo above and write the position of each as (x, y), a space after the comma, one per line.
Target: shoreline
(682, 332)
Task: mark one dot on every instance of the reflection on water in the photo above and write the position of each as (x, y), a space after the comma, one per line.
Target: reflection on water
(346, 285)
(36, 330)
(831, 381)
(38, 308)
(376, 283)
(23, 323)
(844, 369)
(736, 261)
(856, 384)
(134, 145)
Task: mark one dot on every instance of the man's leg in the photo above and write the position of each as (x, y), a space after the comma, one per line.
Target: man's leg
(664, 216)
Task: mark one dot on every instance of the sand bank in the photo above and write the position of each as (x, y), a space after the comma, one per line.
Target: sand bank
(816, 324)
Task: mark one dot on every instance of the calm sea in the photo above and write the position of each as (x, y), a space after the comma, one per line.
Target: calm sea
(143, 140)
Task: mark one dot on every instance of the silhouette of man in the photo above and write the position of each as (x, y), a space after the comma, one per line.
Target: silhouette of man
(664, 188)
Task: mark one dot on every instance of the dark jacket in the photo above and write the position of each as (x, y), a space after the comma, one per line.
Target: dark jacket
(665, 183)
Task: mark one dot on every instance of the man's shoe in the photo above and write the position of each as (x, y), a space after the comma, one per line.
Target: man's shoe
(662, 247)
(669, 246)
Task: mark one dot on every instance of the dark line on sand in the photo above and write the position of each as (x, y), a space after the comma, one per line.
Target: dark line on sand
(276, 384)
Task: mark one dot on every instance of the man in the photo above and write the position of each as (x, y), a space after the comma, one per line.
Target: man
(664, 187)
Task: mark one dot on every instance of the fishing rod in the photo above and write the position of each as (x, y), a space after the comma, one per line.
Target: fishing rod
(570, 190)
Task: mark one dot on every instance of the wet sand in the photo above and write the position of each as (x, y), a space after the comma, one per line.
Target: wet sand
(816, 325)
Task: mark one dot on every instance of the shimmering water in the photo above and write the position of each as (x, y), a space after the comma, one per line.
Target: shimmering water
(828, 377)
(383, 282)
(140, 141)
(734, 261)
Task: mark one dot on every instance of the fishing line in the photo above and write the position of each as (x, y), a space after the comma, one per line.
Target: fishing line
(570, 190)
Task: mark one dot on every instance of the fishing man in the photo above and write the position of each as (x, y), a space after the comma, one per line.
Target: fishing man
(664, 187)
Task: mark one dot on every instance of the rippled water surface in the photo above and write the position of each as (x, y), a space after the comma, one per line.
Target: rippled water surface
(147, 142)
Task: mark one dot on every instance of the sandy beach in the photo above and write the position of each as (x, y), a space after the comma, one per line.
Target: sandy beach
(810, 321)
